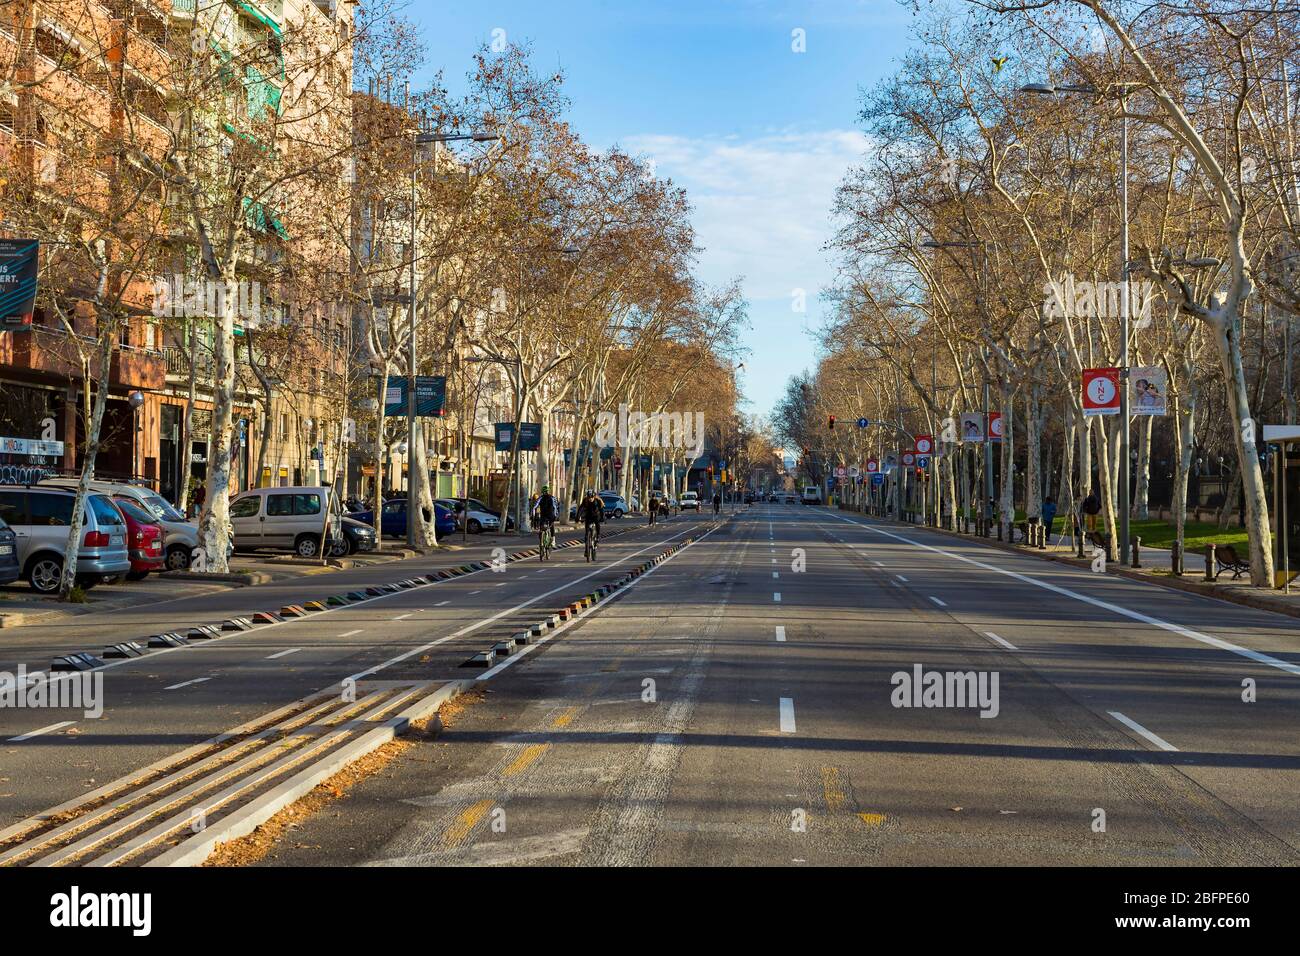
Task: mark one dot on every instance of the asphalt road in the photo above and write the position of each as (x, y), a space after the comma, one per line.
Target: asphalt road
(157, 705)
(737, 706)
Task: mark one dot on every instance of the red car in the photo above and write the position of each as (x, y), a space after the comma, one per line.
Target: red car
(144, 539)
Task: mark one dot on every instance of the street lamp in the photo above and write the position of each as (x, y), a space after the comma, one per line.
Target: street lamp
(1123, 88)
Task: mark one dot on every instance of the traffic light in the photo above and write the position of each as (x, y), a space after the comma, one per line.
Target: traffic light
(830, 422)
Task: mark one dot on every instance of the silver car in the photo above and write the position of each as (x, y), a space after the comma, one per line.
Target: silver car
(180, 537)
(288, 517)
(40, 517)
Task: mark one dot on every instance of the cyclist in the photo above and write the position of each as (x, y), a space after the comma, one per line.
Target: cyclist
(591, 512)
(654, 508)
(717, 502)
(545, 510)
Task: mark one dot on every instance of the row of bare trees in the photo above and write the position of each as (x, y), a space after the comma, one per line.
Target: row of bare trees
(982, 243)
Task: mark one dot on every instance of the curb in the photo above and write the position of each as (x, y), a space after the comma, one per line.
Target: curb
(1252, 601)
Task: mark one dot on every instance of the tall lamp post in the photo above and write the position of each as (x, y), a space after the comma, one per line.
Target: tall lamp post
(1123, 88)
(415, 482)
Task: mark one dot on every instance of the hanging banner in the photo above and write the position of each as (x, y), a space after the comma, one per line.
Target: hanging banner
(18, 261)
(1101, 391)
(430, 396)
(1150, 387)
(995, 426)
(972, 426)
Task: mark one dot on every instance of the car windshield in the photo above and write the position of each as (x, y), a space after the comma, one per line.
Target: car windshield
(134, 511)
(162, 508)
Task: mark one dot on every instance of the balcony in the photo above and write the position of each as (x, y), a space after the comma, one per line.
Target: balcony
(47, 352)
(137, 368)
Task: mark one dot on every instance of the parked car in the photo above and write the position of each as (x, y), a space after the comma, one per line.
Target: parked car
(40, 517)
(392, 518)
(286, 517)
(180, 535)
(144, 539)
(474, 519)
(10, 569)
(690, 501)
(615, 505)
(357, 537)
(789, 499)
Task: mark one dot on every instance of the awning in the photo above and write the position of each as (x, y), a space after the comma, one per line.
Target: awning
(260, 17)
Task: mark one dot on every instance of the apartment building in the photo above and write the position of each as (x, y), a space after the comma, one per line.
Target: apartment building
(88, 98)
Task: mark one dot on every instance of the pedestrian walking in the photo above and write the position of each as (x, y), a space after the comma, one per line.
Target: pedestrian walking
(1090, 508)
(1049, 513)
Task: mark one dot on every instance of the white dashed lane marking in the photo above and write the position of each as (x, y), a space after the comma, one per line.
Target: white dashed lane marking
(787, 715)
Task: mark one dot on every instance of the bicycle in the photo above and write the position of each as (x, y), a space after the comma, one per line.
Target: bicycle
(592, 541)
(545, 540)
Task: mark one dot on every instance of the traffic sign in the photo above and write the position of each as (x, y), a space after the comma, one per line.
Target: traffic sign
(877, 479)
(840, 471)
(908, 458)
(873, 466)
(922, 461)
(924, 444)
(863, 423)
(1101, 391)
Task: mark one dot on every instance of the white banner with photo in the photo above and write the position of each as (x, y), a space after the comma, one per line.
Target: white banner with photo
(1149, 390)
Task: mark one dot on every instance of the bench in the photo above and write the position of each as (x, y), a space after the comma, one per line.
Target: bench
(1226, 557)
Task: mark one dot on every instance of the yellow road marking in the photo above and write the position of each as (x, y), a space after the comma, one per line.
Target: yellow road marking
(872, 819)
(831, 788)
(466, 822)
(566, 718)
(520, 763)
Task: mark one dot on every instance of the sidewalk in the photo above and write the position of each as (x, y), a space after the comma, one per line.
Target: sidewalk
(1156, 564)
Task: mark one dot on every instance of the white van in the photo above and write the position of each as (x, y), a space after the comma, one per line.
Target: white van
(812, 495)
(288, 517)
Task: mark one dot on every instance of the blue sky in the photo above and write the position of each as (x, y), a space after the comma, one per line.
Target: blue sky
(714, 94)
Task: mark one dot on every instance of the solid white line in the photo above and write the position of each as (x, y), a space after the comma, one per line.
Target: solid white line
(44, 730)
(351, 633)
(292, 650)
(187, 683)
(900, 577)
(937, 601)
(403, 617)
(776, 596)
(1007, 644)
(787, 715)
(1293, 669)
(780, 633)
(472, 593)
(1138, 728)
(441, 603)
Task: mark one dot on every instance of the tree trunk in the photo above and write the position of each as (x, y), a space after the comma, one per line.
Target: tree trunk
(107, 339)
(214, 520)
(1141, 494)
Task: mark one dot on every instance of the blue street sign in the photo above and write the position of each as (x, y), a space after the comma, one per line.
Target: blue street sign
(877, 478)
(863, 423)
(923, 462)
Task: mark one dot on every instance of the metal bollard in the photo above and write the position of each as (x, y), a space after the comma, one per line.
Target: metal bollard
(1176, 559)
(1078, 539)
(1043, 537)
(1209, 562)
(999, 530)
(1137, 551)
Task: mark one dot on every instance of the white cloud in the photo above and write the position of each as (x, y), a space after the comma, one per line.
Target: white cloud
(762, 204)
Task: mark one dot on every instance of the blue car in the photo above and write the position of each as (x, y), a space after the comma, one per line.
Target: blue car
(393, 519)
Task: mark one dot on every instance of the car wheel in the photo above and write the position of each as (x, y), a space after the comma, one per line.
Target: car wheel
(473, 526)
(306, 546)
(44, 574)
(107, 579)
(136, 575)
(619, 512)
(340, 549)
(178, 558)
